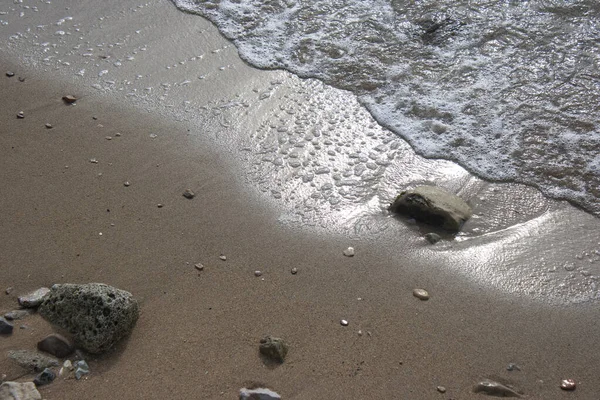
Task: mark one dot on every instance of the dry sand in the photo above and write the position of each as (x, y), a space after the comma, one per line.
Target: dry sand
(197, 337)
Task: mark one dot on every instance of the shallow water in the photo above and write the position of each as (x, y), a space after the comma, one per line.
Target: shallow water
(508, 89)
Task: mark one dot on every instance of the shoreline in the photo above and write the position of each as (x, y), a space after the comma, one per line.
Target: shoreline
(198, 332)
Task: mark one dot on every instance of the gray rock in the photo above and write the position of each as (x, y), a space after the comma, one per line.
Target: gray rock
(188, 194)
(433, 205)
(33, 299)
(45, 377)
(492, 388)
(258, 394)
(81, 369)
(17, 314)
(97, 315)
(6, 328)
(32, 360)
(273, 348)
(433, 238)
(56, 345)
(19, 391)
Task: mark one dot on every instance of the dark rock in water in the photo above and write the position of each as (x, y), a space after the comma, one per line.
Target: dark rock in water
(258, 394)
(81, 369)
(19, 391)
(97, 315)
(45, 377)
(56, 345)
(273, 348)
(434, 206)
(33, 299)
(433, 238)
(492, 388)
(17, 314)
(32, 360)
(6, 327)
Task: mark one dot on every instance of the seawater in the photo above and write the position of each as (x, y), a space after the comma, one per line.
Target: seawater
(508, 89)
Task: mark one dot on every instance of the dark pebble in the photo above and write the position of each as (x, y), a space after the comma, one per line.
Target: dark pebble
(433, 238)
(56, 345)
(21, 79)
(45, 377)
(188, 194)
(21, 115)
(6, 327)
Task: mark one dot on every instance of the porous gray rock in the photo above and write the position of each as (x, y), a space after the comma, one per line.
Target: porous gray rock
(434, 206)
(57, 345)
(258, 394)
(97, 315)
(33, 299)
(6, 328)
(273, 348)
(19, 391)
(32, 360)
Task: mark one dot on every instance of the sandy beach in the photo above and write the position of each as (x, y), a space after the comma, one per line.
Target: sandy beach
(518, 286)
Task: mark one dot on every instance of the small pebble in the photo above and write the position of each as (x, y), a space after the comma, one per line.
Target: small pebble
(568, 384)
(21, 79)
(188, 194)
(294, 271)
(49, 126)
(344, 322)
(126, 184)
(421, 294)
(199, 267)
(81, 369)
(69, 99)
(223, 257)
(108, 137)
(513, 367)
(6, 328)
(117, 134)
(159, 205)
(441, 389)
(433, 238)
(20, 115)
(9, 290)
(45, 377)
(258, 273)
(93, 161)
(10, 74)
(349, 252)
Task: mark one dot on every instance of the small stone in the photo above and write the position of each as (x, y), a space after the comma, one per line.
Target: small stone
(126, 184)
(493, 388)
(81, 369)
(93, 161)
(10, 74)
(349, 252)
(257, 273)
(199, 267)
(258, 394)
(17, 314)
(20, 115)
(6, 328)
(108, 137)
(21, 79)
(421, 294)
(19, 391)
(45, 377)
(9, 290)
(32, 360)
(159, 205)
(273, 348)
(69, 99)
(56, 345)
(294, 271)
(568, 384)
(49, 126)
(223, 257)
(441, 389)
(344, 322)
(33, 299)
(433, 238)
(66, 368)
(188, 194)
(513, 367)
(117, 134)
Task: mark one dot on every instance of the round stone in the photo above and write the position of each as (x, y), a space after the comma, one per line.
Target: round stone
(257, 273)
(568, 384)
(349, 252)
(294, 271)
(441, 389)
(344, 322)
(421, 294)
(126, 184)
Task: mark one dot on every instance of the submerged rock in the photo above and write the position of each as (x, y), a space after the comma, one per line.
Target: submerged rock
(33, 299)
(19, 391)
(56, 345)
(258, 394)
(434, 206)
(273, 348)
(32, 360)
(492, 388)
(97, 315)
(432, 238)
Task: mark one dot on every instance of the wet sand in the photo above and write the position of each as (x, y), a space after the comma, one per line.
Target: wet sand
(198, 333)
